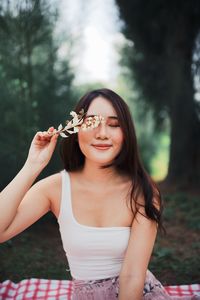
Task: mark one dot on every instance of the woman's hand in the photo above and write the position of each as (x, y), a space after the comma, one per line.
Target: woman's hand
(42, 148)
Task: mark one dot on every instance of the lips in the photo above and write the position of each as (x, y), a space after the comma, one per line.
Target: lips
(102, 146)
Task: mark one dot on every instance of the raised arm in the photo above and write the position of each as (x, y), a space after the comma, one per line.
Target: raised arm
(17, 200)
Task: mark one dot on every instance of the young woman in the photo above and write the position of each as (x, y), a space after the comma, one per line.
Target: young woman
(107, 206)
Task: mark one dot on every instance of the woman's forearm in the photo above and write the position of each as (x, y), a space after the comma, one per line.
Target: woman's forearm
(130, 289)
(14, 192)
(40, 152)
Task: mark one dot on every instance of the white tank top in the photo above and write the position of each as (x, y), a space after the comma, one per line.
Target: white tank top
(92, 252)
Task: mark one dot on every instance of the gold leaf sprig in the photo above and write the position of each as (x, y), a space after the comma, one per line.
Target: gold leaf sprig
(76, 124)
(71, 126)
(92, 122)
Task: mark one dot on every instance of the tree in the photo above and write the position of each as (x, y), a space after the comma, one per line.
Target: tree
(35, 85)
(161, 56)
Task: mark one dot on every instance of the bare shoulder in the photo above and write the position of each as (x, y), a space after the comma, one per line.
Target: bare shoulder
(52, 188)
(155, 201)
(38, 200)
(49, 183)
(54, 180)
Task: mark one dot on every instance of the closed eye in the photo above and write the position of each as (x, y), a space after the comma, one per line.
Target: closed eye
(114, 125)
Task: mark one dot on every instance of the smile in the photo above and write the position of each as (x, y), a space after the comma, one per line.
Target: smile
(101, 147)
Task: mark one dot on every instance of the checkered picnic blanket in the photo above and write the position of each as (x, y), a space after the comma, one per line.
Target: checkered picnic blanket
(183, 290)
(49, 289)
(36, 288)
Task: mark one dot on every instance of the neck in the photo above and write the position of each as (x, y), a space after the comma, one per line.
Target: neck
(95, 175)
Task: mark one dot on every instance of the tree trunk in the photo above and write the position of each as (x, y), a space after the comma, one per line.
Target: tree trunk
(184, 163)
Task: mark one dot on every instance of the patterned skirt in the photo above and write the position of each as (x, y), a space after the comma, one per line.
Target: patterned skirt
(108, 289)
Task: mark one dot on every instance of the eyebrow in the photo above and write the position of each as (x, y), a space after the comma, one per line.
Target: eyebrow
(109, 117)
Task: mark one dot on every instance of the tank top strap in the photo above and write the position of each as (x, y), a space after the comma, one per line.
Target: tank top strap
(65, 205)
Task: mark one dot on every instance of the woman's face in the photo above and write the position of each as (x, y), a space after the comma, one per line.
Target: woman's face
(101, 144)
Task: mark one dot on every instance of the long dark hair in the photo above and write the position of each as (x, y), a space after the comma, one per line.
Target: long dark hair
(127, 161)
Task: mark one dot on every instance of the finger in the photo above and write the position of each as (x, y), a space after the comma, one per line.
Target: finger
(45, 135)
(53, 142)
(51, 129)
(54, 137)
(41, 143)
(42, 136)
(38, 135)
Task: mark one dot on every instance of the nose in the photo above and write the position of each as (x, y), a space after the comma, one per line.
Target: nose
(101, 131)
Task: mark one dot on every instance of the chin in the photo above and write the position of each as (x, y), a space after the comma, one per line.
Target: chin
(101, 161)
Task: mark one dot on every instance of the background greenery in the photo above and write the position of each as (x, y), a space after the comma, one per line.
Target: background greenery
(163, 57)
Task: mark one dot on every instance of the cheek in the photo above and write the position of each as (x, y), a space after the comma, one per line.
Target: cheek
(84, 137)
(119, 137)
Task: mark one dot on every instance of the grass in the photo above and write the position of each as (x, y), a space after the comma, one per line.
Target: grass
(176, 257)
(38, 252)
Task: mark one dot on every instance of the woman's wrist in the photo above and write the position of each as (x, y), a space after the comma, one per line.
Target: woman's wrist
(130, 289)
(32, 169)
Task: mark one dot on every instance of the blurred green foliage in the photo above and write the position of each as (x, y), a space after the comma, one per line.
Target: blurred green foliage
(153, 142)
(162, 54)
(35, 85)
(184, 210)
(37, 91)
(177, 255)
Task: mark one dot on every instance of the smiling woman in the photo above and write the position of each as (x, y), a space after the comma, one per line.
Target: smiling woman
(107, 206)
(103, 143)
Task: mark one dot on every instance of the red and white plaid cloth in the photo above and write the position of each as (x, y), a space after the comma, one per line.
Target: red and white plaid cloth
(183, 290)
(48, 289)
(36, 288)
